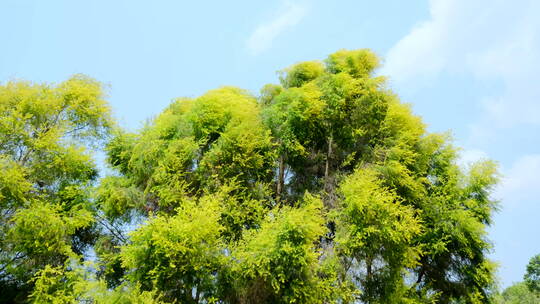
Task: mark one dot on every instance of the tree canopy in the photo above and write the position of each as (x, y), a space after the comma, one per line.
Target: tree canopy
(46, 134)
(324, 188)
(532, 274)
(525, 292)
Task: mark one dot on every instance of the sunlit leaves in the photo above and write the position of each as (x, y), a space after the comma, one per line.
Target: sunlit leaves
(301, 73)
(375, 234)
(278, 262)
(357, 63)
(518, 293)
(324, 189)
(197, 144)
(175, 254)
(74, 284)
(46, 135)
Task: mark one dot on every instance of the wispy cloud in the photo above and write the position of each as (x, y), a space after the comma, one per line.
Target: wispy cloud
(263, 36)
(469, 157)
(492, 40)
(520, 182)
(468, 37)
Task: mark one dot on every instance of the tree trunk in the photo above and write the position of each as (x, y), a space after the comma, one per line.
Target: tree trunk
(327, 167)
(281, 177)
(368, 269)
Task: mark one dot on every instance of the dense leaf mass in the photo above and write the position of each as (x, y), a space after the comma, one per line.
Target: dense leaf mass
(325, 188)
(46, 133)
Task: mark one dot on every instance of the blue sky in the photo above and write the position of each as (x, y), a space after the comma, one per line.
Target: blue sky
(466, 66)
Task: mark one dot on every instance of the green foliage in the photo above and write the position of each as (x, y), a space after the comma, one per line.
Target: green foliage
(44, 231)
(455, 216)
(357, 63)
(375, 237)
(178, 255)
(193, 145)
(327, 121)
(518, 293)
(45, 133)
(324, 189)
(73, 284)
(116, 197)
(268, 92)
(53, 285)
(279, 262)
(532, 274)
(301, 73)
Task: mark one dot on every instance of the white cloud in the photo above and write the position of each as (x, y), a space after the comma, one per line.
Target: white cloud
(521, 182)
(468, 157)
(494, 40)
(262, 38)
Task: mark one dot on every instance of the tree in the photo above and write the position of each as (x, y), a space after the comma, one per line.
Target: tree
(375, 237)
(338, 120)
(523, 292)
(326, 118)
(518, 293)
(193, 147)
(532, 274)
(324, 189)
(278, 263)
(401, 221)
(178, 255)
(46, 170)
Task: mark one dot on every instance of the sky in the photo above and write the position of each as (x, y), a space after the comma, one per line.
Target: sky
(467, 66)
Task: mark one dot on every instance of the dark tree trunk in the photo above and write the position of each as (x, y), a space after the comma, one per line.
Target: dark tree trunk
(327, 166)
(281, 177)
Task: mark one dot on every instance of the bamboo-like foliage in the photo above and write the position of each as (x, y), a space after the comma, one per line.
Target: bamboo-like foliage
(324, 189)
